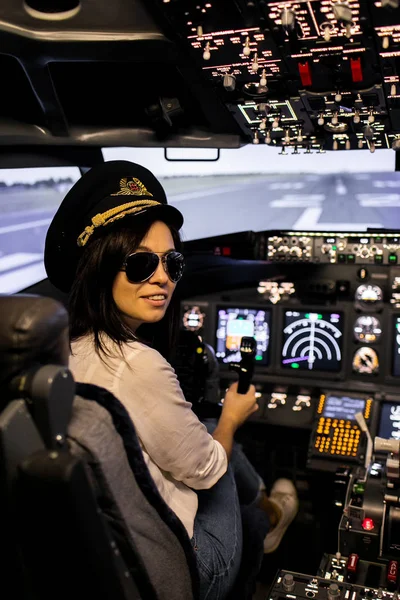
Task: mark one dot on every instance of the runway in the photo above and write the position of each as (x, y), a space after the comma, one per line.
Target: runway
(213, 206)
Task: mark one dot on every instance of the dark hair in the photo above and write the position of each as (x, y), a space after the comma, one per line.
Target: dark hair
(91, 304)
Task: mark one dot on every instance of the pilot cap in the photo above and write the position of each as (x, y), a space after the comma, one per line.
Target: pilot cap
(105, 194)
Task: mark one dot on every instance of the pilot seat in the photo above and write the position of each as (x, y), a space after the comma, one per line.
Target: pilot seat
(80, 515)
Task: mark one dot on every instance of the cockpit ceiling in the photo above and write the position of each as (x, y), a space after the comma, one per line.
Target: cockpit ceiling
(313, 75)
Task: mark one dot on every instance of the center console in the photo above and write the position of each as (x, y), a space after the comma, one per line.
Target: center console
(324, 312)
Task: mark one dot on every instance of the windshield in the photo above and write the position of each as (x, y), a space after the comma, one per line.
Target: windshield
(249, 188)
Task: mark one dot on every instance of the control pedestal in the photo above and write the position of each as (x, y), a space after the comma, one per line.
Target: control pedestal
(291, 585)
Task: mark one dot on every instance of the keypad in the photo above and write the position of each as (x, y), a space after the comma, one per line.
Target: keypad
(337, 437)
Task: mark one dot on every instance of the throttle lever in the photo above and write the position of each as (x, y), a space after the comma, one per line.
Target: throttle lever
(248, 348)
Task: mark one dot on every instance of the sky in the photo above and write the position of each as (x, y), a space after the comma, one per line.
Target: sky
(246, 160)
(259, 159)
(31, 175)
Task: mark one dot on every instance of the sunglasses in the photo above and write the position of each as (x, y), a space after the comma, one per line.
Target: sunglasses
(140, 266)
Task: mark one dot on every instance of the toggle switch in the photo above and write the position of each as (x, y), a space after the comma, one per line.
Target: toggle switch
(356, 69)
(305, 73)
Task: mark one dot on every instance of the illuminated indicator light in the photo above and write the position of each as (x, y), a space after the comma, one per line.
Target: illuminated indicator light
(226, 251)
(199, 350)
(295, 365)
(356, 70)
(368, 524)
(334, 247)
(258, 357)
(308, 316)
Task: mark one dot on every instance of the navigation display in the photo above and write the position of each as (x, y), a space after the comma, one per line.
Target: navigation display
(233, 324)
(312, 340)
(389, 426)
(343, 407)
(396, 347)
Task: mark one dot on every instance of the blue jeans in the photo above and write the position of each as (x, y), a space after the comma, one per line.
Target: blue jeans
(229, 530)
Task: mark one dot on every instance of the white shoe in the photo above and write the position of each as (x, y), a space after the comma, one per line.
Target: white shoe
(284, 495)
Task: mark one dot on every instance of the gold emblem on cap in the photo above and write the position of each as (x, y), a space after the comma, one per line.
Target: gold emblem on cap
(131, 186)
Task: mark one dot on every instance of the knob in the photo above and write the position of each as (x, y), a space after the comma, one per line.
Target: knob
(302, 402)
(207, 53)
(288, 19)
(326, 30)
(333, 591)
(296, 252)
(368, 132)
(246, 47)
(263, 79)
(229, 82)
(342, 12)
(288, 582)
(254, 64)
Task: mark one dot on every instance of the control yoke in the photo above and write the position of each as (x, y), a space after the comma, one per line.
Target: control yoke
(245, 369)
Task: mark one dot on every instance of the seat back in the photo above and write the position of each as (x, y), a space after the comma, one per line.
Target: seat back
(76, 522)
(134, 509)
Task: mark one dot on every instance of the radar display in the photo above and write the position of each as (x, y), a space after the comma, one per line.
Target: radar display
(312, 341)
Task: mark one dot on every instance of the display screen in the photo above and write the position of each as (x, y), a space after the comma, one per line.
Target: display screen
(312, 340)
(396, 347)
(233, 324)
(389, 426)
(343, 407)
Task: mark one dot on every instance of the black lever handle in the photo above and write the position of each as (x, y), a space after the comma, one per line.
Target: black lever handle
(245, 369)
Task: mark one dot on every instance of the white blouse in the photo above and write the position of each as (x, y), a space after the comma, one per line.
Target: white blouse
(179, 452)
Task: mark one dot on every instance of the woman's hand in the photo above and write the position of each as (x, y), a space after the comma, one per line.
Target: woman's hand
(237, 408)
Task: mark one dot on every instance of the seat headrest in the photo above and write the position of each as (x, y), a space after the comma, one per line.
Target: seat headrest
(33, 332)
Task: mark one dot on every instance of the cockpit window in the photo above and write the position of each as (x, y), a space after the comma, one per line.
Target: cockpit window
(255, 188)
(28, 200)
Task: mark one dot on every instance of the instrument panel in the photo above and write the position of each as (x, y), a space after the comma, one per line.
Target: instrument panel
(313, 75)
(328, 340)
(344, 341)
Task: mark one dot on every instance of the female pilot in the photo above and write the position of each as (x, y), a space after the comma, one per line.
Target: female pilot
(114, 245)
